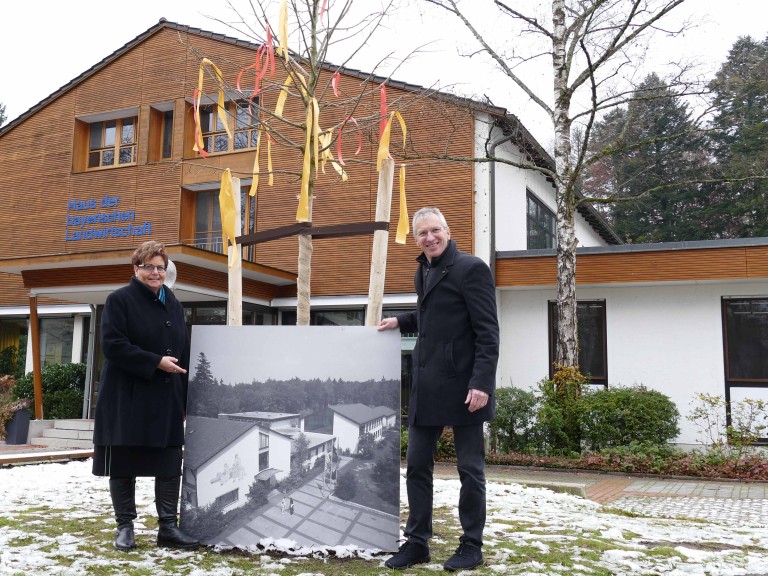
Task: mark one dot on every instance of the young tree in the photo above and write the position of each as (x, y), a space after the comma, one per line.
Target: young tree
(592, 45)
(306, 81)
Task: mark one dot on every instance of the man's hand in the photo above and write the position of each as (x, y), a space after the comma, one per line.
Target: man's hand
(389, 324)
(476, 399)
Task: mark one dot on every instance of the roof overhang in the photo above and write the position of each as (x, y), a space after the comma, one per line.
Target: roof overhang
(700, 262)
(89, 277)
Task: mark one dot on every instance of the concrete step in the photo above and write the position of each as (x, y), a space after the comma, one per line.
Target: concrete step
(69, 434)
(73, 424)
(63, 443)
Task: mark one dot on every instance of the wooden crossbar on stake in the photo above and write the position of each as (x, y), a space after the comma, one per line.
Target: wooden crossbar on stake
(306, 229)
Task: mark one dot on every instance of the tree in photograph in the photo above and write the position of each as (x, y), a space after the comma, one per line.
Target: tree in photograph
(595, 46)
(3, 117)
(740, 137)
(651, 176)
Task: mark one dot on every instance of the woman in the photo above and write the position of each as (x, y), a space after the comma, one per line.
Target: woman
(139, 428)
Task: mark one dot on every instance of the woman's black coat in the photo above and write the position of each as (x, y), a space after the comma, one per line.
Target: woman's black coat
(138, 404)
(458, 343)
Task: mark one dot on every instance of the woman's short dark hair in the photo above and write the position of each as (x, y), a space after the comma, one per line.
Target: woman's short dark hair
(148, 250)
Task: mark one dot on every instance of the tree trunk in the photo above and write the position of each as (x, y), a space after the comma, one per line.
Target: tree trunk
(567, 342)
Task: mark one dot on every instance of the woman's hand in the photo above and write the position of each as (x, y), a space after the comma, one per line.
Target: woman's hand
(169, 364)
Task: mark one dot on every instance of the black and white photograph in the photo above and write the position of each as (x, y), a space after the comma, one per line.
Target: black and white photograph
(293, 435)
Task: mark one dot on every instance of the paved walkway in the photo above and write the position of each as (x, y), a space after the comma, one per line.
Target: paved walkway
(734, 502)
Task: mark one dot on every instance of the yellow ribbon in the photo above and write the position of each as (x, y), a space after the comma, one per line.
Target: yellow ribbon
(255, 175)
(228, 214)
(282, 30)
(220, 107)
(325, 141)
(311, 145)
(403, 226)
(384, 144)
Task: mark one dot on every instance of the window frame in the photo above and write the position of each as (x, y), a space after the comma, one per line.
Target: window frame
(600, 379)
(742, 381)
(103, 147)
(532, 224)
(214, 134)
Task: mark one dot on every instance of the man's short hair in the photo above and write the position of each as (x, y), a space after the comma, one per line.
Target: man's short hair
(427, 211)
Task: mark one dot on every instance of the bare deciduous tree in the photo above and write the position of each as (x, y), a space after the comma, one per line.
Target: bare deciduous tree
(595, 47)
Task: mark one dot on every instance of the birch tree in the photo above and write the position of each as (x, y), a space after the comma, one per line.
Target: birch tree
(592, 46)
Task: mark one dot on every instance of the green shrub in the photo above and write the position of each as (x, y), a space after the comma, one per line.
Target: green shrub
(346, 486)
(63, 389)
(515, 428)
(446, 449)
(627, 416)
(558, 413)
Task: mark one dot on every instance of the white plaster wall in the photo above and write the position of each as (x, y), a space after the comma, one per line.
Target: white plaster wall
(510, 199)
(668, 338)
(346, 431)
(247, 448)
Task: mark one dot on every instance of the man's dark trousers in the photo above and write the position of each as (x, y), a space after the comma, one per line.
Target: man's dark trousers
(420, 459)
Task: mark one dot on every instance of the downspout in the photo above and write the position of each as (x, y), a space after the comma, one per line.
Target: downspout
(89, 364)
(492, 199)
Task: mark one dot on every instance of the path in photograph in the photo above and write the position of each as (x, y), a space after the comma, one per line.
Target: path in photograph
(317, 517)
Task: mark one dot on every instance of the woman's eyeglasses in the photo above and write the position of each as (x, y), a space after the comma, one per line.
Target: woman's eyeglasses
(150, 268)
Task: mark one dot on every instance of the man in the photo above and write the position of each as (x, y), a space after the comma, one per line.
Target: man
(454, 375)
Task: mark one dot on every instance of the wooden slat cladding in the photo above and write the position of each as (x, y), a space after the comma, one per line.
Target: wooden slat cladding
(214, 280)
(117, 274)
(163, 69)
(689, 265)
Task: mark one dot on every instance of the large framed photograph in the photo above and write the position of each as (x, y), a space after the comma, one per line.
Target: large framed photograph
(293, 436)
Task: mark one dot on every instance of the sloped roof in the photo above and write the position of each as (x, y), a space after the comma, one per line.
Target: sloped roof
(206, 437)
(358, 413)
(507, 121)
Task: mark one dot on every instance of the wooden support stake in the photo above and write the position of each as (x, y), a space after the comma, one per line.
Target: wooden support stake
(380, 240)
(235, 295)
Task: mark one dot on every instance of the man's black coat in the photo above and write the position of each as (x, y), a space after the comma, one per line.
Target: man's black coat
(458, 339)
(138, 404)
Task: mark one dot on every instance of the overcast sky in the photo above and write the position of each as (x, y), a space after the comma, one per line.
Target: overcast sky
(47, 43)
(245, 353)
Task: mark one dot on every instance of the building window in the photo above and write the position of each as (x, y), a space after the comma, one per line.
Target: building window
(745, 351)
(593, 343)
(167, 135)
(208, 221)
(540, 224)
(745, 322)
(56, 340)
(263, 441)
(112, 142)
(229, 497)
(263, 460)
(207, 233)
(215, 137)
(327, 317)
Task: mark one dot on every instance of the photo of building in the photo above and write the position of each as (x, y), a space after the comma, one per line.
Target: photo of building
(279, 462)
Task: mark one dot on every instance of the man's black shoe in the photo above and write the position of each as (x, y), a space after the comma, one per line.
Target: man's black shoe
(409, 554)
(467, 557)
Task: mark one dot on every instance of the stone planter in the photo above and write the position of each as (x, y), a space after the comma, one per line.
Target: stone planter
(17, 428)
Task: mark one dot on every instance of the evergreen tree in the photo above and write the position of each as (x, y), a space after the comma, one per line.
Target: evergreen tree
(740, 137)
(647, 154)
(2, 114)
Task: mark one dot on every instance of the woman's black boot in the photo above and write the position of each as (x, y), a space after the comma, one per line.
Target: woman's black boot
(166, 500)
(123, 492)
